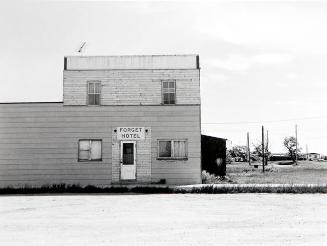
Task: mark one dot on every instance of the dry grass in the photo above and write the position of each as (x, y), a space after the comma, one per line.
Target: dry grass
(219, 188)
(306, 172)
(62, 188)
(254, 188)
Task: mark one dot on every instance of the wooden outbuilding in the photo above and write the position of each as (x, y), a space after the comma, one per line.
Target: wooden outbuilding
(213, 152)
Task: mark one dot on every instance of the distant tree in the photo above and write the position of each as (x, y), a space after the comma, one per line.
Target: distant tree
(257, 150)
(228, 157)
(238, 151)
(290, 145)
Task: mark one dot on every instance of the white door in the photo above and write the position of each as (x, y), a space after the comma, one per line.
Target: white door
(127, 160)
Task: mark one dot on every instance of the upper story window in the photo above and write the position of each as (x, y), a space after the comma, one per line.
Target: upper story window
(94, 92)
(169, 92)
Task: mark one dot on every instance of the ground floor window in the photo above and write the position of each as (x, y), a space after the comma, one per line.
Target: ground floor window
(90, 150)
(172, 149)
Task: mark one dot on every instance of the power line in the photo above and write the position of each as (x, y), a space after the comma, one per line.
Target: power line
(265, 121)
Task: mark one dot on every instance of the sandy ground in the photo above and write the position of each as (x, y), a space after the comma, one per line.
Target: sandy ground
(175, 219)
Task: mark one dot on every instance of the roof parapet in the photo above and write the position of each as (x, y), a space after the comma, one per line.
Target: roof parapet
(131, 62)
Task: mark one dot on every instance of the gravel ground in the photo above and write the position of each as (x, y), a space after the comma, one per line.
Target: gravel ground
(164, 219)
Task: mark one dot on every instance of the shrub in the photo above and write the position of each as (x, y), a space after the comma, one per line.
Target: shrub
(208, 178)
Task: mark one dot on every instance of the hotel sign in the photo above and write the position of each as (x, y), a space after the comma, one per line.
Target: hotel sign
(130, 133)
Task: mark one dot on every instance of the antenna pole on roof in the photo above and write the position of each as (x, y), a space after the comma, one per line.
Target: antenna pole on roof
(80, 50)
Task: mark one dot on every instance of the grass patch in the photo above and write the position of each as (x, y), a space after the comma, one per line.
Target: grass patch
(152, 190)
(204, 188)
(306, 172)
(213, 189)
(61, 188)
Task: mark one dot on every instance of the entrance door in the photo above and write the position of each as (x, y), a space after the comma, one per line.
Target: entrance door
(127, 160)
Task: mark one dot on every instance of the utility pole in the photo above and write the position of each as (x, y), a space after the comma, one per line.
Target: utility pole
(249, 152)
(263, 149)
(296, 145)
(306, 147)
(267, 148)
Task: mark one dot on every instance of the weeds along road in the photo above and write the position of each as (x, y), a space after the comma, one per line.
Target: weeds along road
(164, 219)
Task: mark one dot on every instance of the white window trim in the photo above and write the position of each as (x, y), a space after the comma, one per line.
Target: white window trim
(162, 92)
(172, 157)
(87, 92)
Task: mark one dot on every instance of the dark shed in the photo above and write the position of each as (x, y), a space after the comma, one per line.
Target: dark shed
(213, 152)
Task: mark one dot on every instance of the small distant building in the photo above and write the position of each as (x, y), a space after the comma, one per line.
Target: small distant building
(313, 156)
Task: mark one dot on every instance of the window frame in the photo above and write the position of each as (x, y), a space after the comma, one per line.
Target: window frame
(172, 157)
(162, 91)
(87, 92)
(89, 160)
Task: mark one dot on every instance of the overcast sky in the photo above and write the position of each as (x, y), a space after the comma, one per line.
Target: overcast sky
(261, 63)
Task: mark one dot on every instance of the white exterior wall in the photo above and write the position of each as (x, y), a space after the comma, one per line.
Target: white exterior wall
(132, 87)
(39, 141)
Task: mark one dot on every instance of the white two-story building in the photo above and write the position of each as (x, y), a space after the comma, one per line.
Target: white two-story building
(123, 120)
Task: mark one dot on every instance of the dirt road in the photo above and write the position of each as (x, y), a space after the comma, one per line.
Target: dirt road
(174, 219)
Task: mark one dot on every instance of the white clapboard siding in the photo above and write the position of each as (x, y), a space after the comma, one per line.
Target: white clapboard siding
(132, 87)
(39, 142)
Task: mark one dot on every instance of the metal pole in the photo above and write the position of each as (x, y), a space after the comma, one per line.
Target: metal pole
(267, 148)
(249, 152)
(296, 145)
(263, 149)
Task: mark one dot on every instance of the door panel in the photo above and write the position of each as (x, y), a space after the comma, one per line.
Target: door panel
(127, 160)
(128, 153)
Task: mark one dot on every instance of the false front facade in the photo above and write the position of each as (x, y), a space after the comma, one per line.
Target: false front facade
(123, 120)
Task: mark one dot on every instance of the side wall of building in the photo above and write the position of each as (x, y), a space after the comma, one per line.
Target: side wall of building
(39, 142)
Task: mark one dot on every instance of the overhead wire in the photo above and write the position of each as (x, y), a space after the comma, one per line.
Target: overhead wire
(264, 121)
